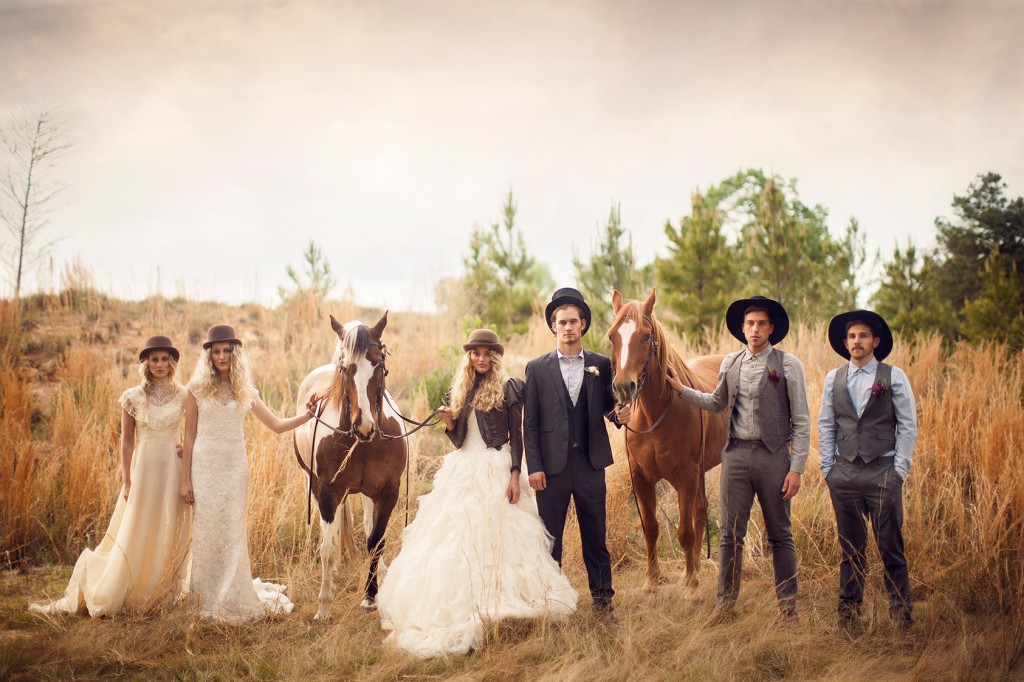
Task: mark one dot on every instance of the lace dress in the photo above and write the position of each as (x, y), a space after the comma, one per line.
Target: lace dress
(141, 561)
(222, 585)
(470, 557)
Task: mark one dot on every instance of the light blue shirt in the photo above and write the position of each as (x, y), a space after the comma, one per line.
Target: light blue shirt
(858, 382)
(572, 373)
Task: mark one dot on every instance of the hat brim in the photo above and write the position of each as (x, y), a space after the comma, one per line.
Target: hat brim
(837, 332)
(780, 319)
(569, 300)
(484, 344)
(207, 344)
(144, 353)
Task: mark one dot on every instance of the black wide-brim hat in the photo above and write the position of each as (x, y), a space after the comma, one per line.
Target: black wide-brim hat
(737, 309)
(158, 343)
(220, 333)
(568, 296)
(837, 332)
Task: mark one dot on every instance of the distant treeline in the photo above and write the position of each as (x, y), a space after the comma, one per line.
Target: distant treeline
(751, 234)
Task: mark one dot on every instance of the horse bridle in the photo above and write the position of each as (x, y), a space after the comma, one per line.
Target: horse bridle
(642, 381)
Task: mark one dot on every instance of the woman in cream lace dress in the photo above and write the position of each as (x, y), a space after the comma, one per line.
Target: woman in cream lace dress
(215, 479)
(477, 550)
(141, 561)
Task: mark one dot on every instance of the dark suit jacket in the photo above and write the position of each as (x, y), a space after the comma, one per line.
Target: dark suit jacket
(545, 420)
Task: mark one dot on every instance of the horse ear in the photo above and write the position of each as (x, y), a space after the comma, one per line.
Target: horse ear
(378, 328)
(616, 301)
(649, 303)
(335, 325)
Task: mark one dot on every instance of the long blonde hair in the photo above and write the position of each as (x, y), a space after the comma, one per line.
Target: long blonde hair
(204, 378)
(489, 396)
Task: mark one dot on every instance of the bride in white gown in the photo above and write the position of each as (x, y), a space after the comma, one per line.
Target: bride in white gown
(140, 563)
(477, 550)
(215, 478)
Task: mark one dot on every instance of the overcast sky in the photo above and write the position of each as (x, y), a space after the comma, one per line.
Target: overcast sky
(213, 140)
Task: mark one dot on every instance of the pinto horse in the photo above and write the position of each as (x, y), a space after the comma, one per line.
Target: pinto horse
(365, 453)
(663, 439)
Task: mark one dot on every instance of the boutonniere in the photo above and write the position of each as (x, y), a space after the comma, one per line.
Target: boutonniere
(878, 388)
(773, 375)
(592, 371)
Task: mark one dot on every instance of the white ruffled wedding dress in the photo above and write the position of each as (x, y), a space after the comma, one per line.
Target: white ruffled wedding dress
(470, 558)
(222, 585)
(140, 563)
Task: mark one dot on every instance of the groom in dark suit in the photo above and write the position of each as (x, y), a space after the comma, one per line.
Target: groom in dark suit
(568, 396)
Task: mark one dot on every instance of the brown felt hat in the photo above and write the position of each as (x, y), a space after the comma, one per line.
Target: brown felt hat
(158, 343)
(483, 338)
(220, 333)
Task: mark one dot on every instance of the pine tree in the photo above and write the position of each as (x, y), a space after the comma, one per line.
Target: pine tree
(698, 277)
(997, 313)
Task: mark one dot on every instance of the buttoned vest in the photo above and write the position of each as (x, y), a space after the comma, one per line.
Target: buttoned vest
(872, 434)
(773, 414)
(579, 417)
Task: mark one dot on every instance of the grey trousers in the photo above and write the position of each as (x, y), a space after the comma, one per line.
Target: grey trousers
(874, 490)
(749, 469)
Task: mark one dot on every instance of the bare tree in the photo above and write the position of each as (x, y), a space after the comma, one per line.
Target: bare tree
(32, 144)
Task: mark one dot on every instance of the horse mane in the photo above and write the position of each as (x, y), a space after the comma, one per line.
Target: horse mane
(667, 355)
(354, 342)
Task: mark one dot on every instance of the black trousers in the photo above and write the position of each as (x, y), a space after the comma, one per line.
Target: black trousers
(869, 489)
(585, 485)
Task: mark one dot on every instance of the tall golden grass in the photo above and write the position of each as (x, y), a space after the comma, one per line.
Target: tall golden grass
(64, 360)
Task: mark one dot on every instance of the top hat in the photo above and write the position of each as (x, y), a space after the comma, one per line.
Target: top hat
(737, 311)
(220, 333)
(158, 343)
(568, 296)
(837, 332)
(483, 338)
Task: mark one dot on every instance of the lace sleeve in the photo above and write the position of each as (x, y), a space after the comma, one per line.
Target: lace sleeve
(131, 401)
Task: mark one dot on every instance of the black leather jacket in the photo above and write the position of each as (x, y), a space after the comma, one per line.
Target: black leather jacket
(498, 426)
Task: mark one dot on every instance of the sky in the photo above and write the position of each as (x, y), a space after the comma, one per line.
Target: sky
(214, 140)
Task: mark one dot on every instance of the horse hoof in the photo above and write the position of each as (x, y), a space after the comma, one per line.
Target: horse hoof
(322, 617)
(368, 605)
(651, 585)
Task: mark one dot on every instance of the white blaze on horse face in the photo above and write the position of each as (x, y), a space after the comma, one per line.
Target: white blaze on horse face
(626, 331)
(361, 377)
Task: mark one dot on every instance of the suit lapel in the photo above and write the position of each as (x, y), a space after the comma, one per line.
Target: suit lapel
(556, 376)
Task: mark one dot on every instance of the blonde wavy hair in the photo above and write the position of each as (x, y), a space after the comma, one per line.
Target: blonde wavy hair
(204, 378)
(147, 376)
(489, 396)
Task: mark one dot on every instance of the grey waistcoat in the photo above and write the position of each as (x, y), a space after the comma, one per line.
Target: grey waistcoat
(874, 433)
(773, 413)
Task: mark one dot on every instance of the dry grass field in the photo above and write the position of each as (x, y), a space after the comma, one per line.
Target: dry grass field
(64, 360)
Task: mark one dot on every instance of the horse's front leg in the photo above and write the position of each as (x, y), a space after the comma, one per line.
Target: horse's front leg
(691, 522)
(382, 509)
(645, 496)
(329, 531)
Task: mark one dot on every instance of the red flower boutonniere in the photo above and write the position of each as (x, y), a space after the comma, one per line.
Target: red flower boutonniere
(774, 376)
(878, 388)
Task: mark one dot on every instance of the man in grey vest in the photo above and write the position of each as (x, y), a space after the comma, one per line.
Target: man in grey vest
(764, 392)
(866, 433)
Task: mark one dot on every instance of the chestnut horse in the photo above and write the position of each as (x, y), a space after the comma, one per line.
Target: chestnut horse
(358, 445)
(663, 440)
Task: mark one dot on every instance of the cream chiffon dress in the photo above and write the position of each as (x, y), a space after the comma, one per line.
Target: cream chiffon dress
(470, 558)
(222, 586)
(140, 563)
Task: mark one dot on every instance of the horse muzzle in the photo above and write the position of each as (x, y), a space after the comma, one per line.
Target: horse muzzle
(625, 392)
